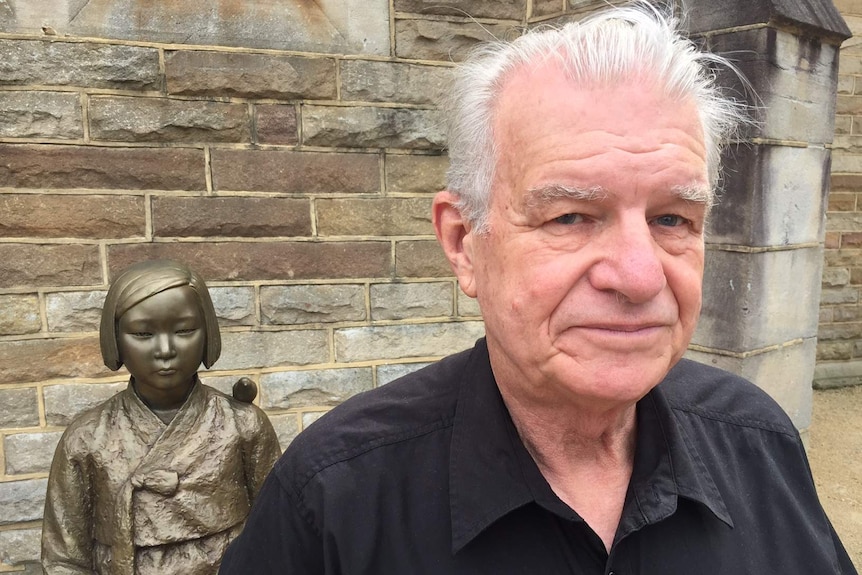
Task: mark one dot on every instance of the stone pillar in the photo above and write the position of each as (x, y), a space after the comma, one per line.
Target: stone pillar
(765, 240)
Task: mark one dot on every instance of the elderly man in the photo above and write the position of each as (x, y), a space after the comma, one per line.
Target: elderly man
(574, 438)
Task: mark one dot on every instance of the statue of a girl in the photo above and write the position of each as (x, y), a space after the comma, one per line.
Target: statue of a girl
(159, 478)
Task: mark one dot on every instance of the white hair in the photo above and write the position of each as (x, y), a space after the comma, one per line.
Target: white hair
(614, 45)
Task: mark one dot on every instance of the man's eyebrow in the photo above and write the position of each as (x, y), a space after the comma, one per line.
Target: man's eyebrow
(543, 194)
(694, 193)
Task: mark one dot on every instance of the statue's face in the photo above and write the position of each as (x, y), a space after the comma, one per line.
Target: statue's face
(161, 341)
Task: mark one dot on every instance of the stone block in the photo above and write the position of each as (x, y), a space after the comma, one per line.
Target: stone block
(851, 163)
(443, 41)
(420, 258)
(844, 222)
(843, 313)
(851, 239)
(74, 310)
(374, 217)
(287, 427)
(369, 81)
(20, 408)
(292, 389)
(752, 301)
(371, 127)
(19, 545)
(222, 383)
(298, 304)
(415, 174)
(840, 331)
(63, 403)
(275, 124)
(843, 125)
(35, 360)
(276, 260)
(65, 167)
(834, 350)
(234, 305)
(828, 375)
(843, 258)
(468, 306)
(841, 202)
(834, 277)
(405, 341)
(826, 315)
(22, 501)
(30, 452)
(773, 196)
(832, 240)
(394, 301)
(846, 84)
(19, 314)
(502, 9)
(34, 265)
(256, 349)
(838, 295)
(290, 172)
(122, 119)
(199, 73)
(845, 182)
(48, 115)
(389, 372)
(542, 8)
(310, 417)
(53, 63)
(856, 275)
(230, 217)
(848, 144)
(65, 216)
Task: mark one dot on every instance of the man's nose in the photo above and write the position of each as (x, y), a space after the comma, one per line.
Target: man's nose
(165, 346)
(629, 263)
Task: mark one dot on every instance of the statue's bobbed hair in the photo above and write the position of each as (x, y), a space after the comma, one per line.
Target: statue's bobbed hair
(144, 280)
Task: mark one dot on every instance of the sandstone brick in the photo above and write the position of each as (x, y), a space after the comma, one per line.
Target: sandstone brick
(52, 115)
(826, 315)
(39, 166)
(845, 313)
(444, 41)
(51, 63)
(22, 500)
(411, 300)
(828, 374)
(41, 359)
(840, 331)
(415, 174)
(847, 144)
(292, 389)
(164, 120)
(833, 277)
(20, 408)
(374, 217)
(369, 127)
(275, 124)
(547, 7)
(847, 104)
(19, 545)
(310, 417)
(420, 258)
(30, 452)
(844, 222)
(276, 260)
(842, 202)
(856, 276)
(63, 403)
(845, 84)
(851, 239)
(19, 314)
(845, 182)
(35, 265)
(404, 341)
(843, 258)
(299, 304)
(230, 217)
(832, 240)
(389, 372)
(74, 311)
(843, 125)
(468, 306)
(842, 162)
(293, 172)
(255, 349)
(287, 427)
(221, 74)
(64, 216)
(503, 9)
(234, 305)
(834, 350)
(393, 82)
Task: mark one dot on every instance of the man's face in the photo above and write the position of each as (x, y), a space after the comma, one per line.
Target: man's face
(589, 279)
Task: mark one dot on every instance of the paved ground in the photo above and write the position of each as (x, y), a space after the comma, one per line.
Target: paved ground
(835, 453)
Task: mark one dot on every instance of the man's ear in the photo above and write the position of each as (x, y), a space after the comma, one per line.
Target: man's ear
(456, 238)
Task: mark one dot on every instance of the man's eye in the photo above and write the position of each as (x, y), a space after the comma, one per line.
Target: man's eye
(670, 220)
(568, 219)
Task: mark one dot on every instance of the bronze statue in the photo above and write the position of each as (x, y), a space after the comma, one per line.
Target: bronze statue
(159, 478)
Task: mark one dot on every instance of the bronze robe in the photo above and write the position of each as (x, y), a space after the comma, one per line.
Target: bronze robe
(129, 494)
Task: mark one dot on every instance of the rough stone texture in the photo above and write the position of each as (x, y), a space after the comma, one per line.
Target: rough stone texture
(19, 314)
(34, 265)
(250, 75)
(287, 427)
(277, 260)
(65, 216)
(233, 305)
(310, 417)
(74, 310)
(230, 217)
(390, 372)
(547, 7)
(22, 500)
(404, 341)
(290, 305)
(164, 120)
(411, 300)
(20, 409)
(242, 350)
(421, 258)
(294, 172)
(63, 403)
(292, 389)
(370, 127)
(30, 452)
(374, 217)
(502, 9)
(52, 115)
(41, 359)
(444, 41)
(275, 124)
(53, 63)
(19, 545)
(816, 18)
(829, 375)
(415, 174)
(367, 81)
(468, 306)
(37, 166)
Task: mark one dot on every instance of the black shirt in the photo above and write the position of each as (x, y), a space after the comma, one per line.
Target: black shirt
(427, 475)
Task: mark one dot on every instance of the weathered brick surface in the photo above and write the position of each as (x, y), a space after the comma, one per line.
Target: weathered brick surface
(52, 115)
(30, 452)
(202, 73)
(51, 63)
(49, 265)
(511, 9)
(310, 417)
(312, 304)
(547, 7)
(411, 300)
(64, 216)
(164, 120)
(37, 166)
(390, 372)
(41, 359)
(421, 258)
(22, 500)
(369, 127)
(374, 217)
(65, 402)
(443, 41)
(468, 306)
(20, 408)
(233, 305)
(368, 81)
(276, 124)
(287, 427)
(415, 174)
(291, 389)
(292, 172)
(404, 341)
(231, 217)
(18, 545)
(74, 310)
(19, 314)
(243, 350)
